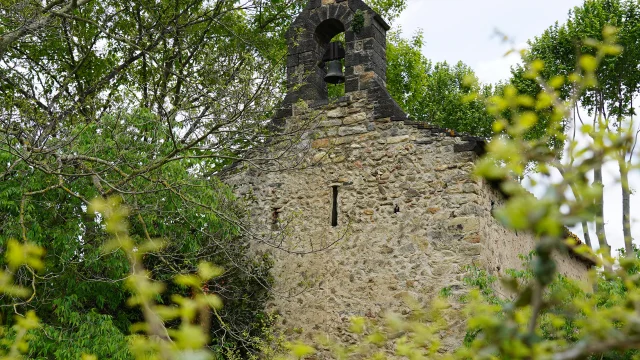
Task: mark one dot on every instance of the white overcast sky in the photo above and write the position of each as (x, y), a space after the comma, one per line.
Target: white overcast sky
(465, 30)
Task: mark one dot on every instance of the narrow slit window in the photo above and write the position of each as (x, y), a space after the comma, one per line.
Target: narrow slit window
(334, 207)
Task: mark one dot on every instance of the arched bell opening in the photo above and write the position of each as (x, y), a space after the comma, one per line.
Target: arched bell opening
(327, 30)
(330, 36)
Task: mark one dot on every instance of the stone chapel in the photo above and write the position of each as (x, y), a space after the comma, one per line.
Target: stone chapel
(374, 207)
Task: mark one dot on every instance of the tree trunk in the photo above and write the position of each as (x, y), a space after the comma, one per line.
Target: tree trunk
(597, 181)
(602, 236)
(626, 195)
(576, 193)
(585, 231)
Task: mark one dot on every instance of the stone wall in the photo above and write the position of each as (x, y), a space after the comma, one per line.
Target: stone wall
(410, 217)
(502, 247)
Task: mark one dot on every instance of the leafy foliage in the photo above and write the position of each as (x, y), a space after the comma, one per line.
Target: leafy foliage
(565, 320)
(437, 93)
(196, 217)
(74, 334)
(562, 52)
(146, 100)
(358, 22)
(601, 330)
(388, 9)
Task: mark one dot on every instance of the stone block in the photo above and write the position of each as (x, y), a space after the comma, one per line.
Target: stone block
(352, 130)
(308, 57)
(349, 36)
(342, 140)
(331, 131)
(464, 224)
(412, 193)
(319, 157)
(366, 77)
(358, 5)
(354, 119)
(351, 84)
(424, 141)
(380, 23)
(303, 46)
(366, 32)
(472, 238)
(373, 45)
(337, 112)
(328, 123)
(339, 11)
(397, 139)
(471, 250)
(312, 4)
(407, 249)
(460, 199)
(320, 143)
(378, 155)
(314, 17)
(292, 60)
(470, 209)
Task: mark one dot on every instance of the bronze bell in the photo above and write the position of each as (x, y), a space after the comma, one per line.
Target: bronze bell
(332, 57)
(334, 73)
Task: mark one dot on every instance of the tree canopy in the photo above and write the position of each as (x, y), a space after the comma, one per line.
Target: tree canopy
(143, 100)
(562, 51)
(436, 93)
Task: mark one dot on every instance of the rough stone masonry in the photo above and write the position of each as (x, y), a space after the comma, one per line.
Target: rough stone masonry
(370, 207)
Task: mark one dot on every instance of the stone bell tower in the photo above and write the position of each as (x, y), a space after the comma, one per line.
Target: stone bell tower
(365, 61)
(369, 208)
